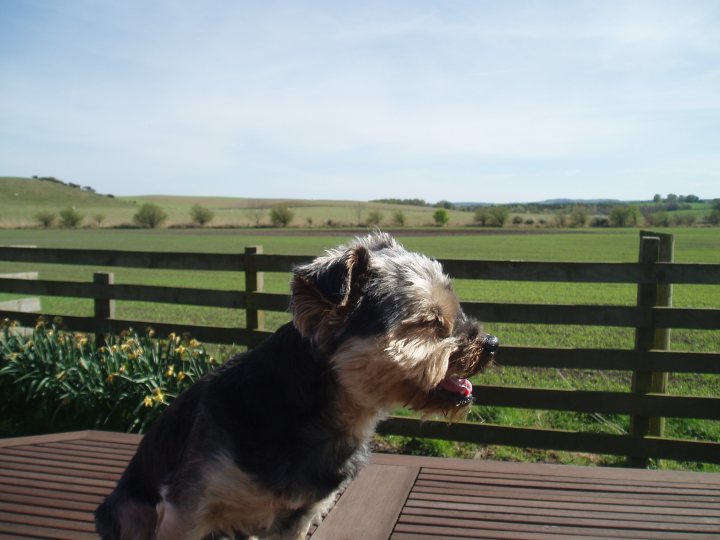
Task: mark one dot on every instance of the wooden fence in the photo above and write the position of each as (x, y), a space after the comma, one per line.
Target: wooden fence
(649, 362)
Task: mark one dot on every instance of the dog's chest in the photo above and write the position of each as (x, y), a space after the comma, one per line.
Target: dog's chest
(235, 501)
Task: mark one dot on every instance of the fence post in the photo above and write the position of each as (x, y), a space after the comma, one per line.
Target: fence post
(104, 307)
(654, 247)
(254, 282)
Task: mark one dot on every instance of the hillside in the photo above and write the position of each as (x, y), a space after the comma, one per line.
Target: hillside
(244, 212)
(21, 199)
(48, 191)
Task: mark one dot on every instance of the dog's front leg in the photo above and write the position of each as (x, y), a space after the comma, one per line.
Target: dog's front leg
(314, 515)
(173, 524)
(169, 525)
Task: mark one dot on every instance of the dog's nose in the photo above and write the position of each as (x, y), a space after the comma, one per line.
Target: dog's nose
(491, 345)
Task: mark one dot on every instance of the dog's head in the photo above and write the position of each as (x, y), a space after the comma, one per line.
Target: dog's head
(392, 326)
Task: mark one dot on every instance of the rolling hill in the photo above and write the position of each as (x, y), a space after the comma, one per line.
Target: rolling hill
(21, 199)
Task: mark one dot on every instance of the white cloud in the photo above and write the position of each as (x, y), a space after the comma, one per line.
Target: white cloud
(408, 93)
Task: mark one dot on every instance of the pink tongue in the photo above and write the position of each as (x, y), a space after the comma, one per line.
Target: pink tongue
(458, 386)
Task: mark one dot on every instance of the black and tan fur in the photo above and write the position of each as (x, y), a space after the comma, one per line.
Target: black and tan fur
(259, 446)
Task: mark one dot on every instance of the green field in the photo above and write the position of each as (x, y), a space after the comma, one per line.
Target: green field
(21, 199)
(692, 245)
(699, 245)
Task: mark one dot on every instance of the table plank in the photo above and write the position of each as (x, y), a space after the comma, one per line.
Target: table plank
(369, 507)
(50, 484)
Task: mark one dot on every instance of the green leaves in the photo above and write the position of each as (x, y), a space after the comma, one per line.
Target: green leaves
(55, 379)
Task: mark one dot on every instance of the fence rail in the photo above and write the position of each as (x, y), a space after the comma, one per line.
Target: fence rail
(576, 272)
(647, 403)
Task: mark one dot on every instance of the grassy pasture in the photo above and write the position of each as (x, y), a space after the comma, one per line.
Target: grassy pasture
(21, 199)
(233, 212)
(692, 245)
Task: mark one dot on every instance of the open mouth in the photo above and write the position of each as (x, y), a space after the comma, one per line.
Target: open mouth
(457, 390)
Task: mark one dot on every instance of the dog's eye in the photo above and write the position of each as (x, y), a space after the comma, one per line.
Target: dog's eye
(441, 326)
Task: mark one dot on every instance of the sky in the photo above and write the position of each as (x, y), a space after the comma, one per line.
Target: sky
(485, 101)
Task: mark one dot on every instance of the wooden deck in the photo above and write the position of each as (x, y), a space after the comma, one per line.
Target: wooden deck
(50, 484)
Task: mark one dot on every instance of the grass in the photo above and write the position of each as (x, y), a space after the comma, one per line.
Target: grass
(21, 199)
(696, 245)
(692, 245)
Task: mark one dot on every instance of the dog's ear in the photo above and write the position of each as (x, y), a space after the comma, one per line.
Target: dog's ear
(323, 290)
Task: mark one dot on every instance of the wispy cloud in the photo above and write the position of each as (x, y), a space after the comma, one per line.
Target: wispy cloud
(284, 97)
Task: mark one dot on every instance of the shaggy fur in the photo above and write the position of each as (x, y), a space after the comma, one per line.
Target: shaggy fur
(259, 446)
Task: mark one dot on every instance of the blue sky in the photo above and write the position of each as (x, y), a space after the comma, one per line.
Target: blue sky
(459, 100)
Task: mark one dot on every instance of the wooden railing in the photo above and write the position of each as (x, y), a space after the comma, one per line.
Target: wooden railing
(649, 362)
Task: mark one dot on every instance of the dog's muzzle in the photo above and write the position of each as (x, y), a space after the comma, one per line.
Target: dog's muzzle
(458, 390)
(490, 346)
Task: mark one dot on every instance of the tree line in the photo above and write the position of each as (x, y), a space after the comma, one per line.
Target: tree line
(150, 215)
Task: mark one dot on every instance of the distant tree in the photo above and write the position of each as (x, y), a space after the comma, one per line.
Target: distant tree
(498, 215)
(482, 216)
(714, 217)
(45, 219)
(98, 219)
(70, 218)
(150, 215)
(671, 197)
(618, 216)
(692, 198)
(634, 215)
(658, 219)
(374, 218)
(441, 217)
(201, 215)
(657, 198)
(517, 220)
(625, 216)
(281, 216)
(407, 202)
(257, 213)
(579, 217)
(445, 204)
(561, 219)
(399, 218)
(688, 220)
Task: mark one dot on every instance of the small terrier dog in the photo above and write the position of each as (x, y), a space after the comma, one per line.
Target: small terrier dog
(260, 446)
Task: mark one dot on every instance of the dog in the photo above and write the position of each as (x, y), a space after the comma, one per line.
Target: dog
(260, 446)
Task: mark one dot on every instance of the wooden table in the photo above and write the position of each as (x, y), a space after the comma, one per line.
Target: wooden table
(50, 484)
